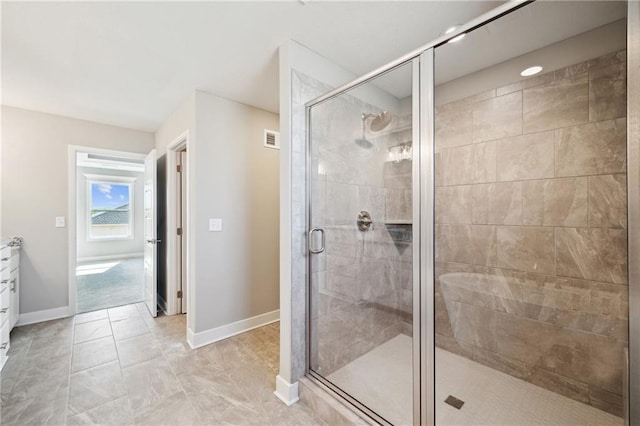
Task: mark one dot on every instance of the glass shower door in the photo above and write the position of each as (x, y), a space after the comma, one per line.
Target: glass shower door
(531, 294)
(360, 245)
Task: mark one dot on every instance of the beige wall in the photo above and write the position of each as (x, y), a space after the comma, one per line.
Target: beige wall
(237, 180)
(531, 209)
(35, 191)
(181, 120)
(234, 273)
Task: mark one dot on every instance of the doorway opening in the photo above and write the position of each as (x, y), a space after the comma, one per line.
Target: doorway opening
(173, 198)
(109, 243)
(181, 243)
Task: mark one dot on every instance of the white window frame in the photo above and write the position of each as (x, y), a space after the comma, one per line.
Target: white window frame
(111, 180)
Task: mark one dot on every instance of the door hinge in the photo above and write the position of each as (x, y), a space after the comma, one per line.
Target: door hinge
(179, 231)
(179, 167)
(179, 294)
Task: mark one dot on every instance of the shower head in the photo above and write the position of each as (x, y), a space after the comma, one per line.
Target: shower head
(380, 121)
(364, 143)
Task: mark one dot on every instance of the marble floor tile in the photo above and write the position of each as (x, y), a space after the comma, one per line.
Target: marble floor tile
(174, 410)
(128, 328)
(115, 413)
(93, 353)
(121, 377)
(138, 349)
(123, 312)
(94, 387)
(92, 330)
(48, 409)
(149, 382)
(91, 316)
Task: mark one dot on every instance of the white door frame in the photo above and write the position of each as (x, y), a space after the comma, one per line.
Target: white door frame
(72, 224)
(173, 273)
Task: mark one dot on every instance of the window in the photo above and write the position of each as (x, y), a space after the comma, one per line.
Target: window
(110, 209)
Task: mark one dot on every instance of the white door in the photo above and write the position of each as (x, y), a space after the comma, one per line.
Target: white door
(150, 234)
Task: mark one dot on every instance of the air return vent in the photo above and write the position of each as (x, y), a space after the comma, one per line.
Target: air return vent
(271, 139)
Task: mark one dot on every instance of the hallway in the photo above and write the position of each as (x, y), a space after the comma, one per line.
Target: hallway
(121, 367)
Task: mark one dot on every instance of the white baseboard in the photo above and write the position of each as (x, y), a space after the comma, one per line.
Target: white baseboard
(190, 335)
(206, 337)
(44, 315)
(109, 257)
(286, 392)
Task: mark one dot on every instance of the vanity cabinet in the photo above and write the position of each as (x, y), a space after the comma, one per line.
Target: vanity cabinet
(9, 292)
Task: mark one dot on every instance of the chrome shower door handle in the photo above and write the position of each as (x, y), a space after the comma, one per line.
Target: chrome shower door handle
(311, 232)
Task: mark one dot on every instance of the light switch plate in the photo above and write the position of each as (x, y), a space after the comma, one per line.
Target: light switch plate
(59, 221)
(215, 225)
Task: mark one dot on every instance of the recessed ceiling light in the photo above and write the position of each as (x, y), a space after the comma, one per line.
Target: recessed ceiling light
(457, 38)
(531, 71)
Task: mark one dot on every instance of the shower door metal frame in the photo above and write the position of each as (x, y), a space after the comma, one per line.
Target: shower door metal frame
(423, 232)
(416, 135)
(633, 208)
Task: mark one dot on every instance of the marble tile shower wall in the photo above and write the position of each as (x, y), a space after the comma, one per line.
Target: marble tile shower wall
(363, 278)
(531, 188)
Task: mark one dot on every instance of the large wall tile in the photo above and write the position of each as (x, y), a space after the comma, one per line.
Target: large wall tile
(342, 203)
(526, 83)
(472, 244)
(525, 157)
(606, 401)
(453, 127)
(372, 199)
(497, 203)
(590, 149)
(592, 253)
(455, 166)
(560, 104)
(608, 201)
(397, 174)
(484, 162)
(555, 202)
(399, 205)
(453, 204)
(497, 118)
(573, 389)
(526, 249)
(608, 92)
(596, 360)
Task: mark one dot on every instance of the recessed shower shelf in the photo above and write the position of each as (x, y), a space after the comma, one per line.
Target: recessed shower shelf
(398, 222)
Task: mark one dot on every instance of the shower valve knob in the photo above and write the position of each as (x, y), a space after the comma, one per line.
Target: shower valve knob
(364, 221)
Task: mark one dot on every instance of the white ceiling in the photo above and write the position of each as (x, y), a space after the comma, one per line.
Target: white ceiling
(131, 63)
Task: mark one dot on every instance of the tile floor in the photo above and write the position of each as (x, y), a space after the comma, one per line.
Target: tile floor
(109, 283)
(382, 379)
(122, 367)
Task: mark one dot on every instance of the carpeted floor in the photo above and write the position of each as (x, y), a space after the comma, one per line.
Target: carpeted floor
(110, 283)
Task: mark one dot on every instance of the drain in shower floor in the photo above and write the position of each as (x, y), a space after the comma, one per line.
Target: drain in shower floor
(454, 402)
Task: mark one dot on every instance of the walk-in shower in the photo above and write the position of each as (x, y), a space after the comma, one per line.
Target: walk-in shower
(471, 266)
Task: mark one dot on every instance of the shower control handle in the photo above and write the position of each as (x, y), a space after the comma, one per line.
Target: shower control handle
(310, 240)
(364, 221)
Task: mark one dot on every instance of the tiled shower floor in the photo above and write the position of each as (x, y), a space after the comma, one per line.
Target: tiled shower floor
(382, 378)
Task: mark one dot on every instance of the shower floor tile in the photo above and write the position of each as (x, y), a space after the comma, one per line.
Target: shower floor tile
(381, 379)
